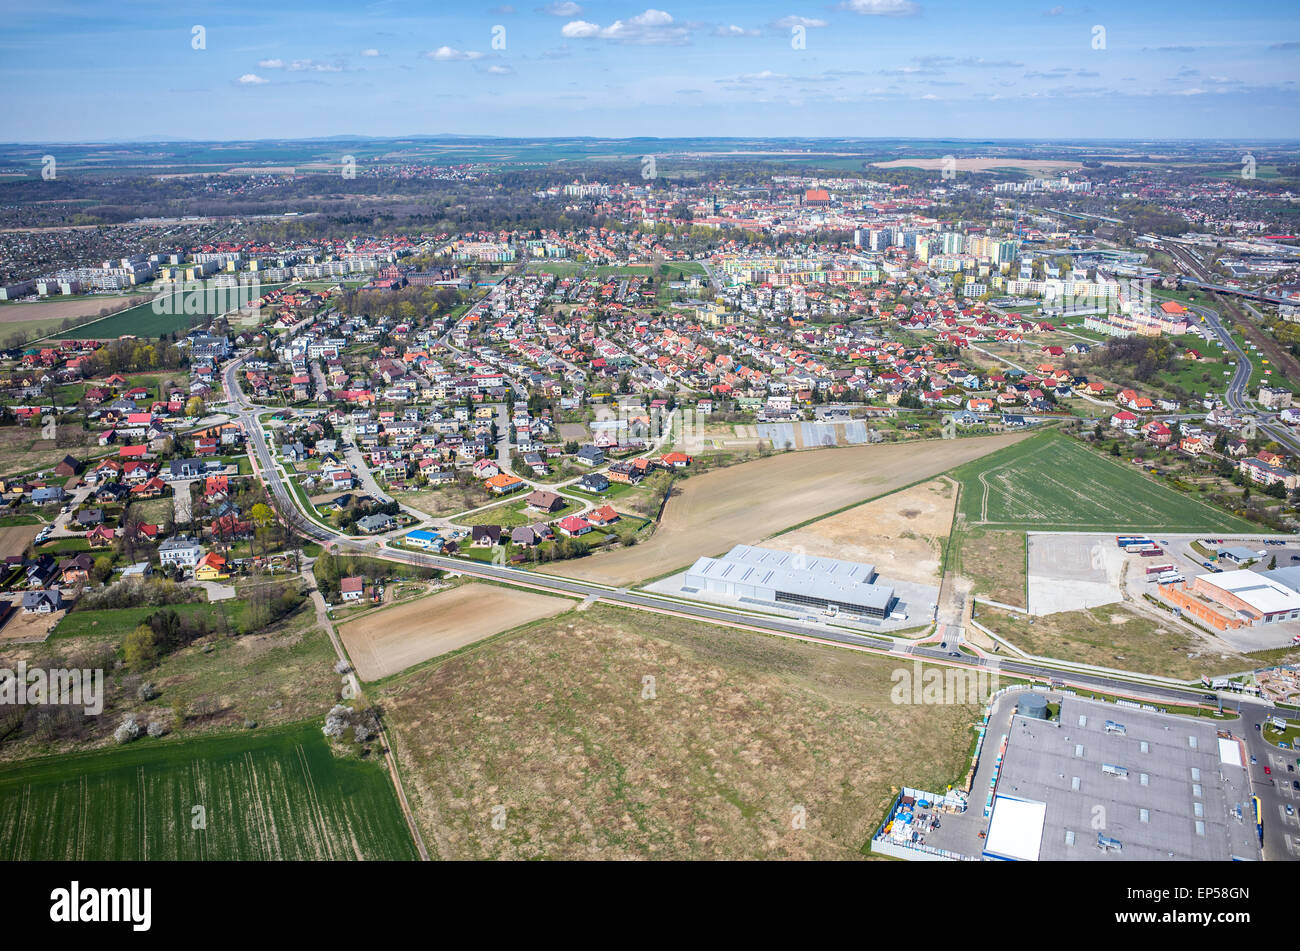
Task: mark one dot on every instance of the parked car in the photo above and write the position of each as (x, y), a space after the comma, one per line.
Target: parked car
(1268, 771)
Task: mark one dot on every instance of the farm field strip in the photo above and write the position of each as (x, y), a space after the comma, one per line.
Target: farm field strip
(1050, 484)
(280, 794)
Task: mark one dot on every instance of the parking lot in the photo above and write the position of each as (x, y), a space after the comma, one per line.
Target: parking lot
(1278, 789)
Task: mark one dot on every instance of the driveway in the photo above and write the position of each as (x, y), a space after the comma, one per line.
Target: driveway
(217, 591)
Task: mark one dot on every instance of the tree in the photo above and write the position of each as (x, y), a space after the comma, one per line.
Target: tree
(140, 650)
(103, 568)
(263, 518)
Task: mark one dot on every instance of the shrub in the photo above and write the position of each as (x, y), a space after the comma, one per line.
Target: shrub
(127, 730)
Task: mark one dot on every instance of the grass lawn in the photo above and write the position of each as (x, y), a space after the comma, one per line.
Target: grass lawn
(1053, 483)
(9, 521)
(155, 511)
(440, 501)
(687, 269)
(119, 622)
(272, 794)
(1290, 736)
(514, 514)
(62, 546)
(615, 490)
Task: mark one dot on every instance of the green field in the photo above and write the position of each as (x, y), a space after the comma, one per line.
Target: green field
(142, 321)
(1052, 483)
(278, 794)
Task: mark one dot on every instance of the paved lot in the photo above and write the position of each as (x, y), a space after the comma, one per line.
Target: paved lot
(1072, 572)
(217, 591)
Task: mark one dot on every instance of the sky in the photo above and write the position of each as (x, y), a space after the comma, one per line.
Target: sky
(138, 69)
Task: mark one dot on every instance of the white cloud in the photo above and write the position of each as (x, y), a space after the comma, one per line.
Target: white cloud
(271, 63)
(500, 70)
(252, 79)
(733, 30)
(311, 66)
(563, 8)
(370, 52)
(651, 28)
(881, 8)
(580, 29)
(447, 53)
(786, 23)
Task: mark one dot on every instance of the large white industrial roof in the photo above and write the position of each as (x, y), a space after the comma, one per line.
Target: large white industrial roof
(848, 582)
(1015, 828)
(1259, 591)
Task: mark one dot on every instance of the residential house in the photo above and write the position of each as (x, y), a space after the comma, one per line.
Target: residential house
(351, 589)
(42, 601)
(544, 501)
(590, 456)
(573, 526)
(180, 550)
(372, 524)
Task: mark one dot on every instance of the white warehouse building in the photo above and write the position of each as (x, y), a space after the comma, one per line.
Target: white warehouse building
(783, 577)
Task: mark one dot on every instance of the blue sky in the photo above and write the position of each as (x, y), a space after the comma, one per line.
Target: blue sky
(927, 68)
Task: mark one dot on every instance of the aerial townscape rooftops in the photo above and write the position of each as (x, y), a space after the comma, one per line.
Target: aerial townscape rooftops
(586, 432)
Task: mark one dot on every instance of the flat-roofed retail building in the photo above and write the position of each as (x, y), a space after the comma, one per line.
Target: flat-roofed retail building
(1108, 782)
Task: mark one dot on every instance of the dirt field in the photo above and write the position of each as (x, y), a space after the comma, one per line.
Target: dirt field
(15, 538)
(1045, 166)
(901, 534)
(551, 733)
(63, 309)
(22, 449)
(747, 503)
(391, 639)
(29, 627)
